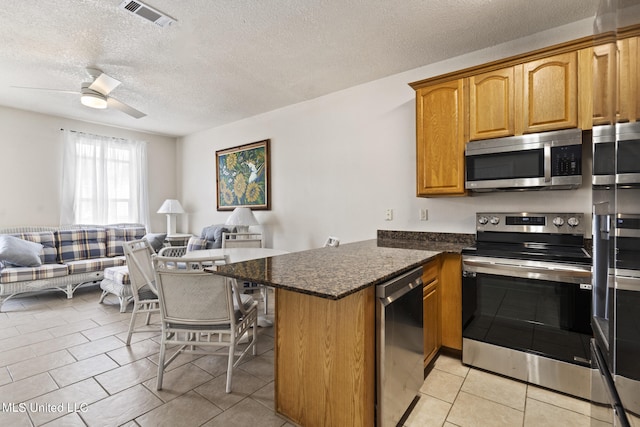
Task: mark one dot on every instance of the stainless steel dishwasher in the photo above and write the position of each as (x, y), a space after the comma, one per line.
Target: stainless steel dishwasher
(399, 346)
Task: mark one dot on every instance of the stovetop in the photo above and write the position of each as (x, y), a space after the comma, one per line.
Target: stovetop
(531, 252)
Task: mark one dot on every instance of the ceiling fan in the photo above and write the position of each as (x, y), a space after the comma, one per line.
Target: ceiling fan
(95, 94)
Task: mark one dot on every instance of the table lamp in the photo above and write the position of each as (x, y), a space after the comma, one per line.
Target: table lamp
(242, 218)
(171, 207)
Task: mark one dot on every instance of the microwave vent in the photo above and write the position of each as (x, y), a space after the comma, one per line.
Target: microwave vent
(147, 12)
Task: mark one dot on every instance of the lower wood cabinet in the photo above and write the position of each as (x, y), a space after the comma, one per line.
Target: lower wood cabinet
(431, 310)
(442, 304)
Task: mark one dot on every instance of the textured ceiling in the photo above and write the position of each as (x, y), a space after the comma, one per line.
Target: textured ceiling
(224, 60)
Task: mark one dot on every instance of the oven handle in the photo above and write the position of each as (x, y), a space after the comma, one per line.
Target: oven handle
(547, 162)
(556, 274)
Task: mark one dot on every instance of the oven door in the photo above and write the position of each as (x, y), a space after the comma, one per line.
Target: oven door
(628, 154)
(533, 307)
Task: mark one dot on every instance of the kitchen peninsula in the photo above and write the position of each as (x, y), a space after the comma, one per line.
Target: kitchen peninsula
(325, 326)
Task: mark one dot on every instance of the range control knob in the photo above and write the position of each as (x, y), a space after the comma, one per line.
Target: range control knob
(483, 220)
(494, 220)
(573, 221)
(558, 221)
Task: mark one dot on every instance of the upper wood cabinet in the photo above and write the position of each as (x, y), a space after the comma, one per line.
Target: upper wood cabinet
(491, 104)
(550, 93)
(628, 88)
(440, 139)
(603, 68)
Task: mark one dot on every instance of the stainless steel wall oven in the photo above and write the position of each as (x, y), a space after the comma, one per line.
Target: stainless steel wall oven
(527, 299)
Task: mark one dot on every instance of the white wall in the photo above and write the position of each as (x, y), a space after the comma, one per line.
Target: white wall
(339, 161)
(31, 167)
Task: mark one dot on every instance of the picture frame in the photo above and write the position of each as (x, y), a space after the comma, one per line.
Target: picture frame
(243, 177)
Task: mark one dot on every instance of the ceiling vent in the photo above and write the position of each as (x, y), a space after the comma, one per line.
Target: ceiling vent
(147, 12)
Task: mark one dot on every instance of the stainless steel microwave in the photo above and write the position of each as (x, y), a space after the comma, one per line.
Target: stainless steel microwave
(616, 155)
(541, 161)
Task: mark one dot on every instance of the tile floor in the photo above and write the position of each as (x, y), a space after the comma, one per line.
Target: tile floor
(64, 363)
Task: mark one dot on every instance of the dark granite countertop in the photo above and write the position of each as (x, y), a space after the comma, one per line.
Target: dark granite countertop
(442, 242)
(331, 272)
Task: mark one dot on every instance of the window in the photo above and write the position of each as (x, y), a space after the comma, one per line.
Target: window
(104, 180)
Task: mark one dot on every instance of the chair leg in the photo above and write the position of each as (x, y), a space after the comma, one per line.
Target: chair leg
(232, 351)
(132, 322)
(104, 294)
(148, 314)
(163, 349)
(265, 296)
(254, 338)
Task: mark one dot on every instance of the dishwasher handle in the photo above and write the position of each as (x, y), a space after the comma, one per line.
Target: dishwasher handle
(395, 288)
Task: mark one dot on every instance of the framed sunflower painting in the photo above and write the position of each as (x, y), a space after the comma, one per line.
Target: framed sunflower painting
(242, 175)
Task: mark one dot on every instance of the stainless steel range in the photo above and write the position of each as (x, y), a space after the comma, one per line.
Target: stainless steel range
(527, 299)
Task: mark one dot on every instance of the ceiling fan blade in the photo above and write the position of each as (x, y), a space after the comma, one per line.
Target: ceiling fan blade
(114, 103)
(46, 89)
(104, 84)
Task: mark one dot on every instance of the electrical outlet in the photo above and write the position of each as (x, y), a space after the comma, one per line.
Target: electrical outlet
(424, 214)
(388, 215)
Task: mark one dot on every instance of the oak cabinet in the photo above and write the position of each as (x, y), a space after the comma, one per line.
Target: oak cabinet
(450, 280)
(550, 93)
(440, 139)
(628, 88)
(492, 104)
(431, 310)
(604, 69)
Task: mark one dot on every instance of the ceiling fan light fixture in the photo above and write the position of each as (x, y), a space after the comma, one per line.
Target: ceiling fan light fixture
(93, 99)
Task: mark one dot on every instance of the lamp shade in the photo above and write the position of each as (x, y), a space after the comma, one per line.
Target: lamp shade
(171, 206)
(242, 217)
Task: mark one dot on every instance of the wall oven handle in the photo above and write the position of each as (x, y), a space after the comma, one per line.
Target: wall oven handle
(547, 162)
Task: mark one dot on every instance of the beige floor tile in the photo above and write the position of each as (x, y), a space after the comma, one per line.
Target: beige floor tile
(40, 364)
(103, 331)
(214, 365)
(260, 366)
(70, 328)
(14, 417)
(543, 414)
(24, 340)
(558, 399)
(242, 385)
(266, 396)
(41, 324)
(64, 401)
(93, 348)
(59, 343)
(135, 351)
(187, 410)
(178, 381)
(10, 332)
(442, 385)
(451, 365)
(428, 412)
(127, 376)
(28, 388)
(82, 369)
(247, 413)
(469, 411)
(70, 420)
(16, 355)
(5, 378)
(494, 387)
(118, 409)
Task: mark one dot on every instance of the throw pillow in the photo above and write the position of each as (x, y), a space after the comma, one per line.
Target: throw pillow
(20, 252)
(156, 240)
(196, 244)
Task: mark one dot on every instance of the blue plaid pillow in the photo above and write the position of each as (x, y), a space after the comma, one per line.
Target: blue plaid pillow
(74, 245)
(196, 244)
(116, 236)
(49, 252)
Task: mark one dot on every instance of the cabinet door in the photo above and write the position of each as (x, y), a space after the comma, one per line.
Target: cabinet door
(604, 83)
(451, 300)
(628, 80)
(431, 310)
(550, 93)
(491, 104)
(440, 139)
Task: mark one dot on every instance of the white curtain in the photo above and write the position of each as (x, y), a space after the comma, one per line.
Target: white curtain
(104, 180)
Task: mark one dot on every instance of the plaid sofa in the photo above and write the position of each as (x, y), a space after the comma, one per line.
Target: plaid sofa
(71, 256)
